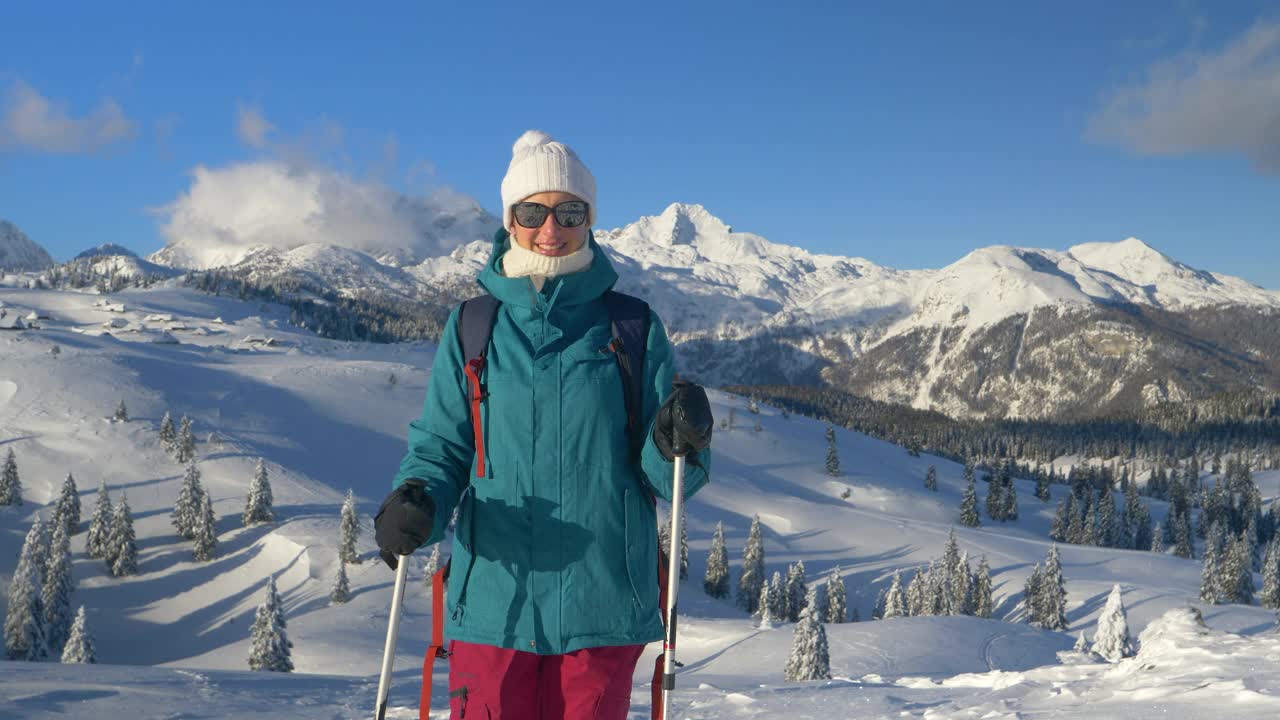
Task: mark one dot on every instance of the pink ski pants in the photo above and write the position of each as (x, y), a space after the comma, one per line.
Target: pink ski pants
(492, 683)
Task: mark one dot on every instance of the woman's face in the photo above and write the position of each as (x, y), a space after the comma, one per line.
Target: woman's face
(550, 238)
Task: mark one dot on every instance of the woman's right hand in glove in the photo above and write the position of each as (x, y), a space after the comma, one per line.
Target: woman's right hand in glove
(404, 522)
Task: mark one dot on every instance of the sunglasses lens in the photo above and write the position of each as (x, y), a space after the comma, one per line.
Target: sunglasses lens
(530, 215)
(571, 214)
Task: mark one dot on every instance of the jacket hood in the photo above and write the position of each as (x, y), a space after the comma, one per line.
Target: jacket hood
(572, 289)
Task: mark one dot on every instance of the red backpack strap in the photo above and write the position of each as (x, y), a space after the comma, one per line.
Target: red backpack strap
(475, 328)
(436, 650)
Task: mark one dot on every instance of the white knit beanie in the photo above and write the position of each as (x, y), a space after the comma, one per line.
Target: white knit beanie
(540, 164)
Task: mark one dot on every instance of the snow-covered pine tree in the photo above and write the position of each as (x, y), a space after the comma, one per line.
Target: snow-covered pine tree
(24, 628)
(99, 524)
(777, 597)
(1042, 485)
(186, 444)
(716, 580)
(1108, 527)
(1112, 640)
(931, 479)
(913, 597)
(1008, 491)
(269, 643)
(67, 508)
(1211, 568)
(1182, 546)
(895, 601)
(1271, 575)
(1157, 539)
(1061, 520)
(969, 503)
(810, 658)
(206, 531)
(1238, 571)
(429, 572)
(79, 647)
(752, 574)
(950, 582)
(797, 591)
(55, 596)
(1082, 643)
(341, 590)
(1053, 593)
(186, 509)
(168, 434)
(124, 550)
(982, 601)
(1141, 533)
(1031, 594)
(995, 498)
(833, 459)
(960, 587)
(877, 610)
(764, 608)
(10, 484)
(122, 413)
(837, 598)
(257, 506)
(350, 531)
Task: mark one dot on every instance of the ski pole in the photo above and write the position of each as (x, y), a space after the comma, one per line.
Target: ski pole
(669, 663)
(393, 627)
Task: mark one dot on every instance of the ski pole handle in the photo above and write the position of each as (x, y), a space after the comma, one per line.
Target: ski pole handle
(393, 628)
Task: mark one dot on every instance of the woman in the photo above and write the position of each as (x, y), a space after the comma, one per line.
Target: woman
(553, 587)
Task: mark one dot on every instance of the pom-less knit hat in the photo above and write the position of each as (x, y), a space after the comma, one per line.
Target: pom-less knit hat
(540, 164)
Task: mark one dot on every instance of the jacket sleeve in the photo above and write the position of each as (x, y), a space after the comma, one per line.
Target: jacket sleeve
(656, 471)
(441, 443)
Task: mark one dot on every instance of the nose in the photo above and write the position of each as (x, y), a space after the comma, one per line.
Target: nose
(549, 225)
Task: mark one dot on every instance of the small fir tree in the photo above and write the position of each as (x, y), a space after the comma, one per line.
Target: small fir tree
(79, 647)
(752, 573)
(764, 608)
(99, 524)
(1157, 540)
(350, 531)
(1031, 594)
(206, 531)
(895, 602)
(122, 413)
(833, 460)
(969, 505)
(24, 624)
(716, 580)
(1082, 643)
(931, 479)
(1211, 569)
(341, 591)
(1053, 593)
(837, 598)
(797, 591)
(982, 601)
(810, 658)
(1112, 640)
(1271, 575)
(777, 597)
(186, 509)
(55, 596)
(257, 506)
(67, 509)
(186, 445)
(10, 483)
(168, 434)
(269, 646)
(124, 554)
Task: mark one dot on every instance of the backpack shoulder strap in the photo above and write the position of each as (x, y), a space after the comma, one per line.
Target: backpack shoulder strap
(475, 328)
(629, 321)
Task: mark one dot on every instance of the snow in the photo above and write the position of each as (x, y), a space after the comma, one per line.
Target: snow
(173, 640)
(18, 252)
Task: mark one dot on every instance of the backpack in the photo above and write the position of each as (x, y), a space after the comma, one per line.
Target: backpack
(629, 323)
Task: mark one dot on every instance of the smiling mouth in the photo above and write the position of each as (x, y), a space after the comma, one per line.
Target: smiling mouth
(553, 248)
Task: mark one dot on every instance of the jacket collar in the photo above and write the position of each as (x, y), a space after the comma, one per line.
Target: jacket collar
(572, 289)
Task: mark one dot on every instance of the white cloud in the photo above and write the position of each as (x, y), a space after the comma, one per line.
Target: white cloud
(229, 210)
(32, 121)
(1227, 100)
(251, 127)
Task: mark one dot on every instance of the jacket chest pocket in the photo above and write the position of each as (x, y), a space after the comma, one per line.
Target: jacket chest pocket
(590, 360)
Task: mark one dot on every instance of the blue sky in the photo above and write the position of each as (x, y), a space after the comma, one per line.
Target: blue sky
(906, 133)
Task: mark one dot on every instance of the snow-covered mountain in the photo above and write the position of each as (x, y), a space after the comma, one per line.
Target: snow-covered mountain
(743, 310)
(327, 416)
(19, 253)
(106, 250)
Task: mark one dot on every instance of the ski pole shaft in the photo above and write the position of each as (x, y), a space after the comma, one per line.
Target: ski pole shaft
(393, 628)
(673, 587)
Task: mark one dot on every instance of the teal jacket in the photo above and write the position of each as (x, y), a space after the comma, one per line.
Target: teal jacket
(556, 547)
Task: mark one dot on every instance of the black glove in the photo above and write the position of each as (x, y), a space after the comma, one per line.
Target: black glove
(687, 414)
(404, 521)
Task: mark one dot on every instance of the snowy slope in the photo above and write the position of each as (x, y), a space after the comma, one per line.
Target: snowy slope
(327, 417)
(18, 252)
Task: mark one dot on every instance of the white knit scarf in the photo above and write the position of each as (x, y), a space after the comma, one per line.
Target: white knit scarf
(519, 262)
